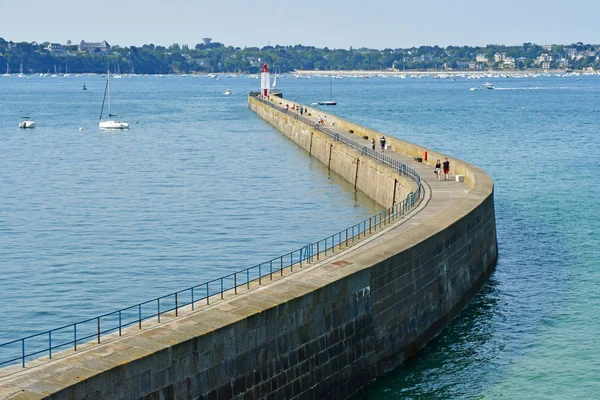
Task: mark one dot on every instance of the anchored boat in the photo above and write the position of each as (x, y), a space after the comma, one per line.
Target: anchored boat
(110, 123)
(27, 123)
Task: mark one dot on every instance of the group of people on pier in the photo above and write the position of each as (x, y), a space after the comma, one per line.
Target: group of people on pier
(438, 169)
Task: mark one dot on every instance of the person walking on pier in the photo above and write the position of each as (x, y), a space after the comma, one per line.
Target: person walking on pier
(446, 168)
(438, 169)
(382, 143)
(373, 143)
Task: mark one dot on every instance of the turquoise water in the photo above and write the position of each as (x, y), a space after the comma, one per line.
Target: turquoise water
(92, 221)
(533, 330)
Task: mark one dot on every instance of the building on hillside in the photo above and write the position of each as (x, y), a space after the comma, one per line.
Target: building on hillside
(521, 61)
(101, 47)
(508, 60)
(547, 47)
(571, 53)
(563, 63)
(499, 57)
(542, 58)
(56, 49)
(481, 58)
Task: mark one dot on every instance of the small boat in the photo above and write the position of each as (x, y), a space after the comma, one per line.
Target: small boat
(110, 123)
(84, 88)
(27, 123)
(21, 74)
(475, 88)
(488, 85)
(329, 102)
(227, 92)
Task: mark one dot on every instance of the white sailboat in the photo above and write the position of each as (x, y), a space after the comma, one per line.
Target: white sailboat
(27, 123)
(110, 123)
(7, 70)
(21, 74)
(329, 102)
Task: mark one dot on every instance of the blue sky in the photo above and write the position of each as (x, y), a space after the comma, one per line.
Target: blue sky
(375, 23)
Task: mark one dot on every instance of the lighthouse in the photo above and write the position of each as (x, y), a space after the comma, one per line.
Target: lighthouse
(265, 81)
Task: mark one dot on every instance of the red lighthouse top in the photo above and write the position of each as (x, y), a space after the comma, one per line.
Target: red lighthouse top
(265, 69)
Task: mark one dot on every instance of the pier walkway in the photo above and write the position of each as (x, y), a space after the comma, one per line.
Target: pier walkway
(198, 352)
(443, 193)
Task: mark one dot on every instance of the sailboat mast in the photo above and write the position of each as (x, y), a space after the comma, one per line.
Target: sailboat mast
(108, 90)
(103, 100)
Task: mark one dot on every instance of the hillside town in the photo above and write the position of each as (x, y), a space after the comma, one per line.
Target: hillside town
(213, 57)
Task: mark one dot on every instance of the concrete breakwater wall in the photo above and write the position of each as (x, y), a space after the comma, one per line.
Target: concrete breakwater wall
(457, 166)
(325, 331)
(381, 183)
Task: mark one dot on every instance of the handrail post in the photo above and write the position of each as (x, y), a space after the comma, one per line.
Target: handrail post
(235, 282)
(74, 337)
(346, 237)
(98, 333)
(176, 305)
(119, 322)
(221, 288)
(248, 278)
(271, 268)
(158, 301)
(192, 298)
(259, 274)
(140, 316)
(318, 253)
(291, 262)
(207, 295)
(281, 266)
(23, 352)
(50, 345)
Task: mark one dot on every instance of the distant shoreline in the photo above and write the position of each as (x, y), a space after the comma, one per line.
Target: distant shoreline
(444, 72)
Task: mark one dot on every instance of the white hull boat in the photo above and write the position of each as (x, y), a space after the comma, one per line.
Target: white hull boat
(329, 102)
(28, 123)
(110, 123)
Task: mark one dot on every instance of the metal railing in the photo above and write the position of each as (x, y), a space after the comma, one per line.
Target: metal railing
(94, 329)
(400, 167)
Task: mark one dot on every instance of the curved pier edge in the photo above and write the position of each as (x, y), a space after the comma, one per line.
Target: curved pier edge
(325, 331)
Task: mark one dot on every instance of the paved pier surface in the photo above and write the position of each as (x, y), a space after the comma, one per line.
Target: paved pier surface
(185, 355)
(443, 193)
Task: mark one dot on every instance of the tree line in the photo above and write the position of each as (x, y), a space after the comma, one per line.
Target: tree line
(216, 58)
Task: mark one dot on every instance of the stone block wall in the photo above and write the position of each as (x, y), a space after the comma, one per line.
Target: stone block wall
(324, 332)
(370, 177)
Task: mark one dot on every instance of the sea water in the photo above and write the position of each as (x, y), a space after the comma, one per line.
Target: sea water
(199, 187)
(532, 332)
(93, 221)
